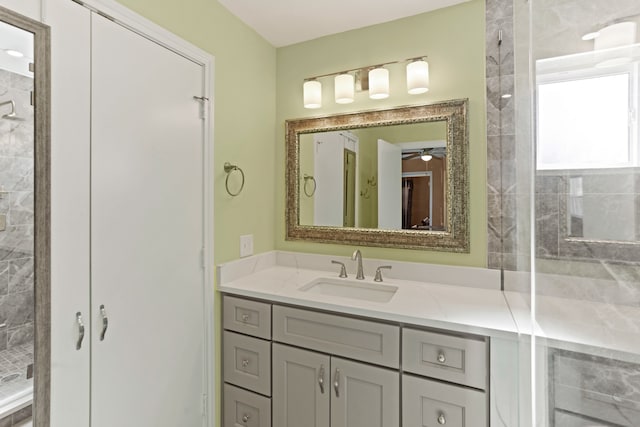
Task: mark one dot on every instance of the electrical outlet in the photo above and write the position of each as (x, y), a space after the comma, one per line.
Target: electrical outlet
(246, 245)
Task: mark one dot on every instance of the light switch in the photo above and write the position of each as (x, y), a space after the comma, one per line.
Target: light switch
(246, 245)
(3, 222)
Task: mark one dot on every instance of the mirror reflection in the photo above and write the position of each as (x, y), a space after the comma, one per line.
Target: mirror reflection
(387, 177)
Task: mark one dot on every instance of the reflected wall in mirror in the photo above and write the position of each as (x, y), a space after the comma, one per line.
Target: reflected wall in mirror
(394, 178)
(24, 221)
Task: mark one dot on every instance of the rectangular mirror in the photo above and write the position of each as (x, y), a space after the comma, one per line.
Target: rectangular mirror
(394, 178)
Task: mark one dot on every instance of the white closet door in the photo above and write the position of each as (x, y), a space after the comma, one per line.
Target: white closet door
(70, 192)
(147, 232)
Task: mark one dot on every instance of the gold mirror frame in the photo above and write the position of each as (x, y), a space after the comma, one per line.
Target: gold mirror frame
(454, 239)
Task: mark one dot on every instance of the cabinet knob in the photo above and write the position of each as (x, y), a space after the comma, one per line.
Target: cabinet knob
(441, 419)
(245, 363)
(441, 358)
(245, 418)
(245, 318)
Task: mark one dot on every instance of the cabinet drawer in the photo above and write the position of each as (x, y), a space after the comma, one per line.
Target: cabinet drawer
(446, 357)
(247, 362)
(371, 342)
(248, 317)
(245, 409)
(431, 403)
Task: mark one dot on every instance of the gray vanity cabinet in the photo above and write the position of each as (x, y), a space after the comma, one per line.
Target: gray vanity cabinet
(316, 390)
(364, 395)
(301, 387)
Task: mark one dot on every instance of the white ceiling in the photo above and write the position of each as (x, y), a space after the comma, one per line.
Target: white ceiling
(285, 22)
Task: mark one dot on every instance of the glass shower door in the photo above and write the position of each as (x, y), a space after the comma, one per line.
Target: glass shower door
(579, 160)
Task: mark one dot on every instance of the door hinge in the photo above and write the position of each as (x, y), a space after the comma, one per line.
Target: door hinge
(202, 258)
(31, 100)
(204, 106)
(204, 406)
(32, 67)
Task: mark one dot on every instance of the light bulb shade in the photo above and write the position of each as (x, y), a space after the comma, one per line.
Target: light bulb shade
(616, 35)
(418, 77)
(379, 83)
(344, 88)
(426, 157)
(312, 94)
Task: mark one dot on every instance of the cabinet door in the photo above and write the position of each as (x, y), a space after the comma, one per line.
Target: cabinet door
(70, 202)
(364, 395)
(146, 233)
(301, 387)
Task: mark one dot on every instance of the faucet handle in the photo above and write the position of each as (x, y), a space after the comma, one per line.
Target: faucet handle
(343, 269)
(378, 277)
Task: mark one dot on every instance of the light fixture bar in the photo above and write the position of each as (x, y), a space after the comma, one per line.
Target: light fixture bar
(366, 67)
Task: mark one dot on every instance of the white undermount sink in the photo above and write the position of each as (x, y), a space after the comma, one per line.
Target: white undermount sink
(375, 292)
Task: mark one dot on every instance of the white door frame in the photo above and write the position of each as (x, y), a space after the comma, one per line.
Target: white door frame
(163, 37)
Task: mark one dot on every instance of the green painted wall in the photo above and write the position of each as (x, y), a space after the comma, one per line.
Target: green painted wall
(453, 40)
(244, 115)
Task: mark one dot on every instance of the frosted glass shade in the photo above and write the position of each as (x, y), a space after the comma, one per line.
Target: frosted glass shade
(417, 77)
(312, 94)
(616, 35)
(344, 88)
(379, 83)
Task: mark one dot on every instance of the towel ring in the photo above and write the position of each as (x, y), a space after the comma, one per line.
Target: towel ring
(308, 178)
(228, 168)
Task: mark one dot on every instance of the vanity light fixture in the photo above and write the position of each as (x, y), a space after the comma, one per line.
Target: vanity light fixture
(417, 76)
(344, 88)
(371, 78)
(378, 83)
(312, 93)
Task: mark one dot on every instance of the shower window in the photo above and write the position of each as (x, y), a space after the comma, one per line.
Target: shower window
(587, 118)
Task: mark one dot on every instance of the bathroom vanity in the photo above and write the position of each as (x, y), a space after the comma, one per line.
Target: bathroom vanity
(297, 352)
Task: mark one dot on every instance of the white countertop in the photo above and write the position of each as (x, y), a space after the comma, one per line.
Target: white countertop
(443, 302)
(465, 309)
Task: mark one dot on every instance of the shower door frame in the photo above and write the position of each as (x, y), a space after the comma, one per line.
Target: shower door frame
(42, 211)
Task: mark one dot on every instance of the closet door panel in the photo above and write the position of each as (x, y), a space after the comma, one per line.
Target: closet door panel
(147, 233)
(70, 192)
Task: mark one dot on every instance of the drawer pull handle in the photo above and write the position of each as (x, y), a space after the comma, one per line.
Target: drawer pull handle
(441, 419)
(441, 359)
(336, 383)
(245, 363)
(245, 418)
(245, 318)
(321, 379)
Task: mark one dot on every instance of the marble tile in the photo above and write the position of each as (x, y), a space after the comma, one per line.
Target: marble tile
(21, 208)
(21, 275)
(547, 225)
(498, 9)
(4, 277)
(16, 309)
(499, 58)
(16, 242)
(20, 335)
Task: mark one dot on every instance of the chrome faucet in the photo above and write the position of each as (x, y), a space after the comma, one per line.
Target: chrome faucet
(357, 256)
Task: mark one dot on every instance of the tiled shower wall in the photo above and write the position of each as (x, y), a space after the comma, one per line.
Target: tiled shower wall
(501, 150)
(16, 205)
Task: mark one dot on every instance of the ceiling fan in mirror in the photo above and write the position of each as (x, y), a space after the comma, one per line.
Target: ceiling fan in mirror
(425, 154)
